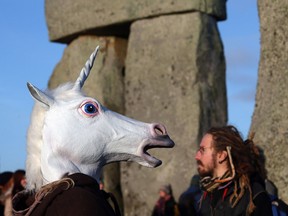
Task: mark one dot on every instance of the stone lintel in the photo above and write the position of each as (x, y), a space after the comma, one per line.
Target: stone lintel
(68, 19)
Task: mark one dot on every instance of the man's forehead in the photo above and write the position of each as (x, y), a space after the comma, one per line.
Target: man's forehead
(206, 140)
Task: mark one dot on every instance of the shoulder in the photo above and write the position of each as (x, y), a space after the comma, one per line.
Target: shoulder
(80, 201)
(261, 200)
(258, 190)
(84, 198)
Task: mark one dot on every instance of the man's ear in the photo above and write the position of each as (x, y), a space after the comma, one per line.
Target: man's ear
(222, 156)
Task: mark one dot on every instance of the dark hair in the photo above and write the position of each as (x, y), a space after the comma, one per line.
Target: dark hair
(5, 177)
(17, 177)
(245, 154)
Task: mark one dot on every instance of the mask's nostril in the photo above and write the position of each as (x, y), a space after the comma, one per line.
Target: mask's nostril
(160, 130)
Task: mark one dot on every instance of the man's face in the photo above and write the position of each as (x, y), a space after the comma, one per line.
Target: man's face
(205, 157)
(162, 193)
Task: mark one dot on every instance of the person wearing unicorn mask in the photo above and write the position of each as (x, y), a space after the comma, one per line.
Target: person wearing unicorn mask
(231, 175)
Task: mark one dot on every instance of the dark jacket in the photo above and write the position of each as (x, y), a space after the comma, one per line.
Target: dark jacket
(85, 198)
(189, 201)
(218, 202)
(1, 210)
(165, 207)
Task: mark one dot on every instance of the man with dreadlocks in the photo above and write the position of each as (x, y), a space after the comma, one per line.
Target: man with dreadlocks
(231, 175)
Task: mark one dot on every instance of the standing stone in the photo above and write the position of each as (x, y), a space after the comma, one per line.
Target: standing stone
(68, 19)
(270, 117)
(105, 83)
(175, 75)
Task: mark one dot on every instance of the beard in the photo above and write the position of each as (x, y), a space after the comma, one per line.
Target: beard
(208, 168)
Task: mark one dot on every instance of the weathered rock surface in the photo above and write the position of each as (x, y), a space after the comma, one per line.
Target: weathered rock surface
(270, 118)
(175, 75)
(70, 18)
(106, 78)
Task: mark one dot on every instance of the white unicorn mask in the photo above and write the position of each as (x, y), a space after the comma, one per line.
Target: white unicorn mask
(71, 133)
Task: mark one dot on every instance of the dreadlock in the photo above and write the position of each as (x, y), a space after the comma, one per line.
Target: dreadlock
(245, 156)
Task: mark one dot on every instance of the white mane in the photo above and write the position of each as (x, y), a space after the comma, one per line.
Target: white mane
(34, 134)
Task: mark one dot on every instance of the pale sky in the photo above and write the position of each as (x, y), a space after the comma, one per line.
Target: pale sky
(26, 54)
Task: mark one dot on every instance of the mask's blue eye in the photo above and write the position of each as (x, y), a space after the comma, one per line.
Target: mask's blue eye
(89, 108)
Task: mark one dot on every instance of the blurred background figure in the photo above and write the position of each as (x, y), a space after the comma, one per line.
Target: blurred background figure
(166, 205)
(188, 201)
(6, 187)
(19, 178)
(101, 185)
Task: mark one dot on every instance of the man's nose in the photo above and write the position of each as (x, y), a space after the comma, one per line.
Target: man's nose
(197, 156)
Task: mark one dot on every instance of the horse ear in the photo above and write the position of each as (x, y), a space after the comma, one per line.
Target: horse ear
(39, 95)
(86, 70)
